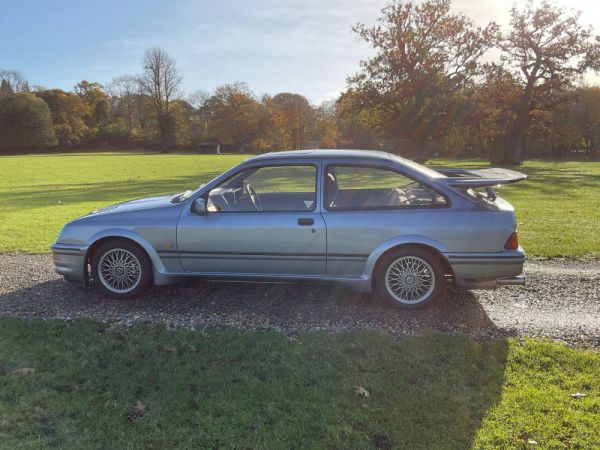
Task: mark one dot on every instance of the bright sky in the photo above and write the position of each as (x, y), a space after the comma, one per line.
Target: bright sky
(274, 45)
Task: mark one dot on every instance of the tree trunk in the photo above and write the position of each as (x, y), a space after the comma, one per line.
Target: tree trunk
(521, 123)
(518, 148)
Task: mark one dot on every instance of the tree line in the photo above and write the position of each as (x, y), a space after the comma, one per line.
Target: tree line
(436, 84)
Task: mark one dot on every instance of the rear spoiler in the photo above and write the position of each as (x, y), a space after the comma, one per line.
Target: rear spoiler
(478, 178)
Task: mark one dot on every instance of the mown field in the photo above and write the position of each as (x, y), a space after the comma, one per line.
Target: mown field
(558, 207)
(78, 385)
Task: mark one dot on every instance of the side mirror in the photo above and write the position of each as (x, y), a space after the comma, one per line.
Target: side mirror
(200, 206)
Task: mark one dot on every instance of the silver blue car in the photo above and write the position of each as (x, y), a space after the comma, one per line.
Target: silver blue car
(371, 220)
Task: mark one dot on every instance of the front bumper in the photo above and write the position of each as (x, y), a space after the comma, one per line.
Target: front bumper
(69, 261)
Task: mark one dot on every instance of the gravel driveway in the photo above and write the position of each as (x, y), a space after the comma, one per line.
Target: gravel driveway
(561, 301)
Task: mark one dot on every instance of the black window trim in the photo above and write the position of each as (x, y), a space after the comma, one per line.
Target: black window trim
(448, 203)
(262, 166)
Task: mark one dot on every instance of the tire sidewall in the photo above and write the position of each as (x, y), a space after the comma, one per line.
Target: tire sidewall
(429, 258)
(145, 266)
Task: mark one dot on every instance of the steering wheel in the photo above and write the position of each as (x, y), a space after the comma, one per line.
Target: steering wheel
(254, 197)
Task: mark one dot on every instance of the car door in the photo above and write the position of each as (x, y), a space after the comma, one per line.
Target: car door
(264, 220)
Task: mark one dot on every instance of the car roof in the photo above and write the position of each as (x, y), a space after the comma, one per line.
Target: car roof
(324, 153)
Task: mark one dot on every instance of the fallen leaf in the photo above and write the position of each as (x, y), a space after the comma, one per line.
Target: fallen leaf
(139, 409)
(24, 371)
(578, 395)
(361, 391)
(526, 437)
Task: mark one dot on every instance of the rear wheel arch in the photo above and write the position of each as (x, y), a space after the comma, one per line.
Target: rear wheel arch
(431, 250)
(410, 276)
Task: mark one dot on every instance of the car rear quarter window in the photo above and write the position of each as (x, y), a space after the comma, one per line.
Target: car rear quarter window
(350, 187)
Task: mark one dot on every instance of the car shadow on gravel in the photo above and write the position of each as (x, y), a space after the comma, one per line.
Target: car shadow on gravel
(284, 307)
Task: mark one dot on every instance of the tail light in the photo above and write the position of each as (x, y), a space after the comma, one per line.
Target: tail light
(512, 243)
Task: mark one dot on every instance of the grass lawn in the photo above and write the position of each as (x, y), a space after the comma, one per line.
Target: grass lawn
(256, 389)
(558, 207)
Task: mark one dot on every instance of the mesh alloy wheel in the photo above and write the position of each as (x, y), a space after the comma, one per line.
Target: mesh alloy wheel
(119, 271)
(410, 279)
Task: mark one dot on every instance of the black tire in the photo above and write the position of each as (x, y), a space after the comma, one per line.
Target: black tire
(421, 281)
(136, 257)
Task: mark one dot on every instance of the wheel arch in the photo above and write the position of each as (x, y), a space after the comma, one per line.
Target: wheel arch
(433, 247)
(127, 235)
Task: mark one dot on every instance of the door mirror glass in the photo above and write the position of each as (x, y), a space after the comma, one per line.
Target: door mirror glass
(200, 206)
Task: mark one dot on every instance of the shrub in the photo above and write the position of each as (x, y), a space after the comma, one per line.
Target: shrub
(25, 123)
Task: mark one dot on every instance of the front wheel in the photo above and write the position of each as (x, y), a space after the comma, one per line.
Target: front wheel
(121, 269)
(410, 278)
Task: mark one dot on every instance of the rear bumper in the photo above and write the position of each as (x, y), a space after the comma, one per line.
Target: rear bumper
(69, 261)
(488, 270)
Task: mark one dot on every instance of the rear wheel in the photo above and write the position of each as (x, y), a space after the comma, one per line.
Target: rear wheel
(121, 269)
(410, 278)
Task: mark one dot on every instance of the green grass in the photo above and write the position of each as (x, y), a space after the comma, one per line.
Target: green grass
(558, 207)
(239, 389)
(40, 193)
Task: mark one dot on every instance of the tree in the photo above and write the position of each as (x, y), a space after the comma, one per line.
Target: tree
(161, 81)
(6, 89)
(326, 124)
(235, 117)
(547, 46)
(13, 81)
(356, 125)
(585, 116)
(424, 56)
(198, 115)
(68, 115)
(292, 119)
(25, 123)
(97, 102)
(491, 102)
(124, 91)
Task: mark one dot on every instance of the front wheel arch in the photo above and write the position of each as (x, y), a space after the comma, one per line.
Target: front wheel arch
(97, 244)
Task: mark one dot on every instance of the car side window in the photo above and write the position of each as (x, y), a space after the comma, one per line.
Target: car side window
(269, 189)
(361, 187)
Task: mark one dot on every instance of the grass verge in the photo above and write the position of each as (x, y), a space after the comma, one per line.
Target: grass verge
(237, 389)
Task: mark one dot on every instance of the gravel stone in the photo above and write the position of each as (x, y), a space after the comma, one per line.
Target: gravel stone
(560, 301)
